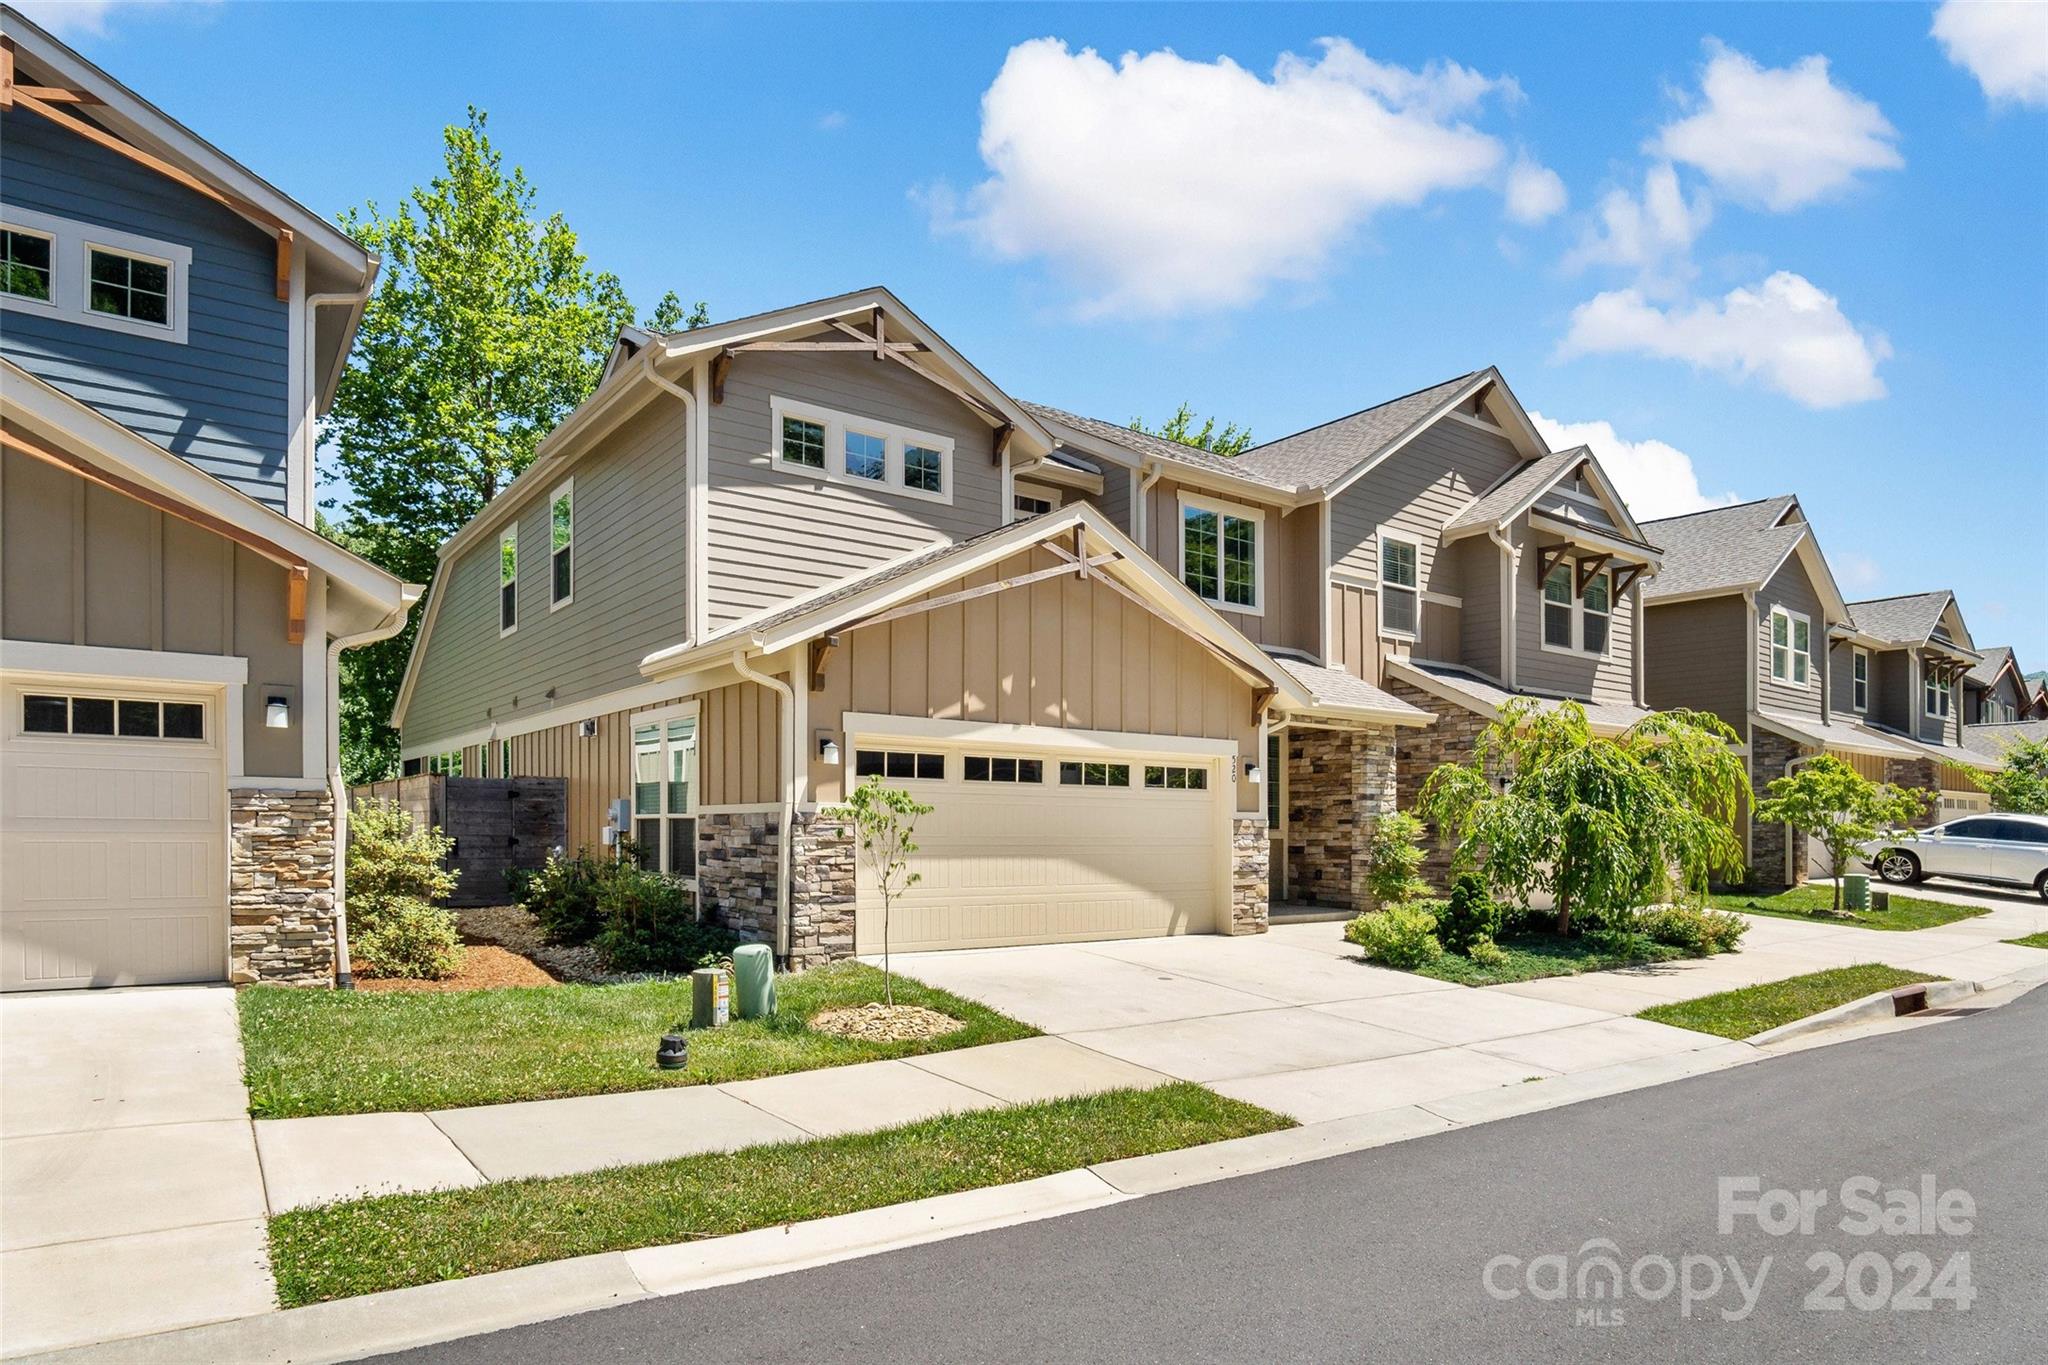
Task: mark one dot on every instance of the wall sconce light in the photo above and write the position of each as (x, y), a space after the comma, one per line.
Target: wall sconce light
(828, 748)
(277, 712)
(1251, 772)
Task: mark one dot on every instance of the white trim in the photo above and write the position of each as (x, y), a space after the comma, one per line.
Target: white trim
(1442, 599)
(1053, 497)
(1947, 701)
(1859, 655)
(1471, 421)
(836, 426)
(101, 661)
(871, 725)
(1577, 648)
(1792, 619)
(509, 535)
(1531, 444)
(1593, 538)
(590, 708)
(300, 493)
(1381, 539)
(565, 489)
(1351, 578)
(71, 245)
(1237, 512)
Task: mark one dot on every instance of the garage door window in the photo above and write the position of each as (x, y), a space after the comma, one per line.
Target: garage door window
(1176, 779)
(1095, 774)
(983, 768)
(128, 718)
(899, 763)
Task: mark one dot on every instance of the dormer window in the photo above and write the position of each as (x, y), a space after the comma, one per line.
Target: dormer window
(1933, 696)
(1220, 553)
(843, 448)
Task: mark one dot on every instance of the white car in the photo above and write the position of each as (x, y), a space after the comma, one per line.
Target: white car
(2011, 850)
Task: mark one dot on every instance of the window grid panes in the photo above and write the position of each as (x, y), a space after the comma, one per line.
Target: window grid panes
(25, 257)
(988, 768)
(899, 763)
(803, 442)
(1095, 774)
(1029, 506)
(130, 287)
(1557, 607)
(1597, 606)
(923, 469)
(664, 796)
(1175, 778)
(1859, 680)
(867, 457)
(1400, 602)
(108, 718)
(1220, 557)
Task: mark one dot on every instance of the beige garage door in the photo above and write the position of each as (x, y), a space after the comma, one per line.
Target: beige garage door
(113, 836)
(1041, 848)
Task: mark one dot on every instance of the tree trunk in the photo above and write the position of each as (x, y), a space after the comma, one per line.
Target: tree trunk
(888, 981)
(1564, 915)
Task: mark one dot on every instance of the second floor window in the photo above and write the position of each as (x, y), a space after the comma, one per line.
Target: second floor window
(93, 275)
(508, 581)
(1596, 607)
(561, 547)
(1933, 696)
(924, 469)
(867, 457)
(130, 287)
(843, 448)
(1220, 556)
(1400, 586)
(26, 258)
(1791, 648)
(1859, 680)
(803, 442)
(1557, 607)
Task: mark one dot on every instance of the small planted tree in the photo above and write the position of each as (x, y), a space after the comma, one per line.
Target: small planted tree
(1828, 800)
(1393, 857)
(1598, 822)
(395, 884)
(2022, 784)
(884, 821)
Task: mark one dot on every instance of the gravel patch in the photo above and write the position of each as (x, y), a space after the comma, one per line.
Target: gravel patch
(879, 1023)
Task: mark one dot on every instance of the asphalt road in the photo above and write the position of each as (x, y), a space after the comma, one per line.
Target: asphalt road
(1384, 1255)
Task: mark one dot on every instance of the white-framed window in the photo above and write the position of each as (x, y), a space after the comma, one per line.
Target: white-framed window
(1933, 696)
(112, 717)
(93, 275)
(1222, 548)
(665, 792)
(1557, 607)
(447, 764)
(1400, 587)
(842, 448)
(508, 580)
(504, 758)
(1859, 679)
(1030, 500)
(899, 763)
(995, 768)
(1596, 613)
(1574, 621)
(562, 546)
(1791, 648)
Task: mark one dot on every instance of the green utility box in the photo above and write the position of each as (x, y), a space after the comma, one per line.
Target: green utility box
(1856, 892)
(753, 967)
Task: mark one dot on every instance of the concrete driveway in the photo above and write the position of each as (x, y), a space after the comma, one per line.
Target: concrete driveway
(1293, 1020)
(131, 1200)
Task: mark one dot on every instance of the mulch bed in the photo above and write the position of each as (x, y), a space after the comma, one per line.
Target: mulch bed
(511, 927)
(485, 966)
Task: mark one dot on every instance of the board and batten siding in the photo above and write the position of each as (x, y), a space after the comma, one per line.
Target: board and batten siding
(774, 534)
(1604, 678)
(1354, 643)
(1413, 493)
(83, 565)
(219, 399)
(1061, 652)
(1693, 657)
(1791, 588)
(630, 568)
(1289, 562)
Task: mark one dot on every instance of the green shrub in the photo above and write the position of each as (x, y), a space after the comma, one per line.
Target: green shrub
(1393, 857)
(407, 938)
(1468, 917)
(1693, 928)
(1484, 952)
(1400, 936)
(519, 884)
(563, 896)
(650, 925)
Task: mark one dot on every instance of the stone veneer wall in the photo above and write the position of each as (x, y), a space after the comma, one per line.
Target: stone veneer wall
(821, 891)
(1339, 782)
(1423, 751)
(736, 871)
(1769, 756)
(280, 886)
(1918, 773)
(1251, 859)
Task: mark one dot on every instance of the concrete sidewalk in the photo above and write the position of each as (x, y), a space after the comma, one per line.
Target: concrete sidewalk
(322, 1160)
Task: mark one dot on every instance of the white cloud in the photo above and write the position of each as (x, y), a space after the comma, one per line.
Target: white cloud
(1857, 572)
(1652, 234)
(1655, 479)
(2005, 46)
(88, 18)
(1158, 185)
(1784, 332)
(832, 121)
(1534, 192)
(1778, 137)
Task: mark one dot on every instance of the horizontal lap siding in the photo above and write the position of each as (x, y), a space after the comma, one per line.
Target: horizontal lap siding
(219, 400)
(1115, 497)
(1892, 677)
(1792, 589)
(1842, 681)
(774, 535)
(1061, 653)
(1479, 623)
(1413, 493)
(630, 564)
(1608, 679)
(1693, 657)
(1292, 564)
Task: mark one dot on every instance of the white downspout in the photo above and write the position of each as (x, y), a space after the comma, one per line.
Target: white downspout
(344, 979)
(785, 715)
(1141, 516)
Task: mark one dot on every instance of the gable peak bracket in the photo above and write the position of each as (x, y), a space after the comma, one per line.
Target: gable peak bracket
(721, 366)
(821, 655)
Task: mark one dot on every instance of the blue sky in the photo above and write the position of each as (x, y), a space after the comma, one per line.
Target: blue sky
(1764, 272)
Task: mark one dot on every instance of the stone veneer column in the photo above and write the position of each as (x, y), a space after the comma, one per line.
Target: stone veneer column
(736, 871)
(1451, 740)
(280, 886)
(1769, 757)
(1918, 773)
(821, 888)
(1339, 783)
(1250, 871)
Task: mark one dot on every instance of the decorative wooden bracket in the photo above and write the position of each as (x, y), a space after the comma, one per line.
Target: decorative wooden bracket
(1261, 699)
(1002, 443)
(1589, 569)
(721, 366)
(895, 351)
(821, 654)
(1625, 578)
(295, 605)
(1549, 557)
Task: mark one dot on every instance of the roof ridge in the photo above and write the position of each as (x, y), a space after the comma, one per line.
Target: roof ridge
(1370, 407)
(1902, 596)
(1726, 507)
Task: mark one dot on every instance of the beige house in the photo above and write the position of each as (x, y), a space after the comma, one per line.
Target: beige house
(1146, 688)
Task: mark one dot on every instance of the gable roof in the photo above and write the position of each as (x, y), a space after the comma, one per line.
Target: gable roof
(1997, 659)
(1323, 454)
(1906, 620)
(1482, 696)
(1992, 740)
(1725, 549)
(1145, 446)
(1519, 491)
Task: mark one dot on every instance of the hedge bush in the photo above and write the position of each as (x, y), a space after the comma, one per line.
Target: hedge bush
(1402, 936)
(563, 895)
(650, 925)
(1468, 917)
(395, 877)
(1693, 928)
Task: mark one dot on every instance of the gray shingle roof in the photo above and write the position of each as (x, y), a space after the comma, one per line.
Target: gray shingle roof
(1991, 740)
(1486, 697)
(1147, 446)
(1325, 453)
(1900, 620)
(1518, 487)
(1986, 673)
(1721, 549)
(1333, 687)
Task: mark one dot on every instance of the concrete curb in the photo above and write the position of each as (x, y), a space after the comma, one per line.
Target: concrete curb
(1869, 1008)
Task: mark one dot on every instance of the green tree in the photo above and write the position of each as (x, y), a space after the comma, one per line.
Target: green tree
(1832, 802)
(1598, 822)
(488, 326)
(2022, 784)
(1232, 439)
(884, 819)
(1393, 858)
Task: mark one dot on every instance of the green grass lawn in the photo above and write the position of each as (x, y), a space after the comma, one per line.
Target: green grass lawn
(2031, 941)
(1817, 903)
(344, 1052)
(1754, 1009)
(1530, 956)
(395, 1240)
